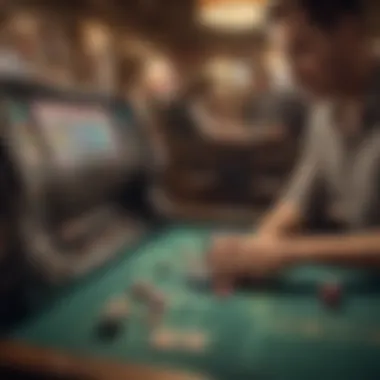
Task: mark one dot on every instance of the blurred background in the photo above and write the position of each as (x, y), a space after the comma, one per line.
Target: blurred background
(198, 119)
(215, 65)
(95, 43)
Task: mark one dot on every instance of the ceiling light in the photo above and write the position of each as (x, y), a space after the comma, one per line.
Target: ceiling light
(97, 36)
(231, 15)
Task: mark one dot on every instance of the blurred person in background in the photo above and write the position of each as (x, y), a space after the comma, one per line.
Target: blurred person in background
(217, 111)
(226, 112)
(154, 87)
(154, 83)
(331, 58)
(276, 104)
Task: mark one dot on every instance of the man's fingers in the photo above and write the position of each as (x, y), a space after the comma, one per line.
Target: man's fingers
(219, 245)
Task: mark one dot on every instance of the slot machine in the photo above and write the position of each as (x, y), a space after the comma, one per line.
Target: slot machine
(71, 157)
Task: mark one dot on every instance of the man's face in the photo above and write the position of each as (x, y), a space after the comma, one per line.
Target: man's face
(315, 56)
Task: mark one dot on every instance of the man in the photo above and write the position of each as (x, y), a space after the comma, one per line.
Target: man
(331, 57)
(154, 88)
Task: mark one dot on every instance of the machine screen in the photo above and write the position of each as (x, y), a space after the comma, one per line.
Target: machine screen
(76, 132)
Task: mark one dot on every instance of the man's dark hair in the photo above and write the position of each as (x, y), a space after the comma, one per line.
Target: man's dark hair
(324, 14)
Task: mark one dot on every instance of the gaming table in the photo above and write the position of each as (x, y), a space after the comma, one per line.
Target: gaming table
(282, 331)
(24, 362)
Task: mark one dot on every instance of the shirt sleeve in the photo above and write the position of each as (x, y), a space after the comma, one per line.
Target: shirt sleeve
(305, 179)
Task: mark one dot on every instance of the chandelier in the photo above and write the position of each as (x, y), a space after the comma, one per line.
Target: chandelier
(231, 15)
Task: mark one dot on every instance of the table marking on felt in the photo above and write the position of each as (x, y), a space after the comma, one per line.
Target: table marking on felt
(193, 341)
(164, 339)
(338, 332)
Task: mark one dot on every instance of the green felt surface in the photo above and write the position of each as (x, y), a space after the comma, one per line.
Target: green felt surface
(279, 334)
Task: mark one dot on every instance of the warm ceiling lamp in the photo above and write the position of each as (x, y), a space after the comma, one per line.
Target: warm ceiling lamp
(24, 23)
(97, 36)
(232, 15)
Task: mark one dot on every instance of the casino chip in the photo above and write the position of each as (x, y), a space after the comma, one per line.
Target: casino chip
(222, 289)
(142, 291)
(108, 329)
(331, 295)
(193, 341)
(112, 318)
(158, 301)
(157, 306)
(118, 307)
(164, 339)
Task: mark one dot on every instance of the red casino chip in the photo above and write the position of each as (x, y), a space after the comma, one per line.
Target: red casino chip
(331, 294)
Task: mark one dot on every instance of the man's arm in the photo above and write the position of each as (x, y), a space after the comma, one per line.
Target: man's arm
(362, 249)
(288, 215)
(284, 219)
(351, 250)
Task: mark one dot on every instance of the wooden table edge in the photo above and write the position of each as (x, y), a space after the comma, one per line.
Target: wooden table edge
(33, 358)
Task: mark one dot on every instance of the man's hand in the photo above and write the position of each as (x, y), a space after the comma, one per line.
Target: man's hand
(236, 256)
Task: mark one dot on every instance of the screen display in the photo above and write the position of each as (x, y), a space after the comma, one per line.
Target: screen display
(76, 132)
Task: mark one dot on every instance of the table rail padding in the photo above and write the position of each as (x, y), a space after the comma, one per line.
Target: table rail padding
(40, 360)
